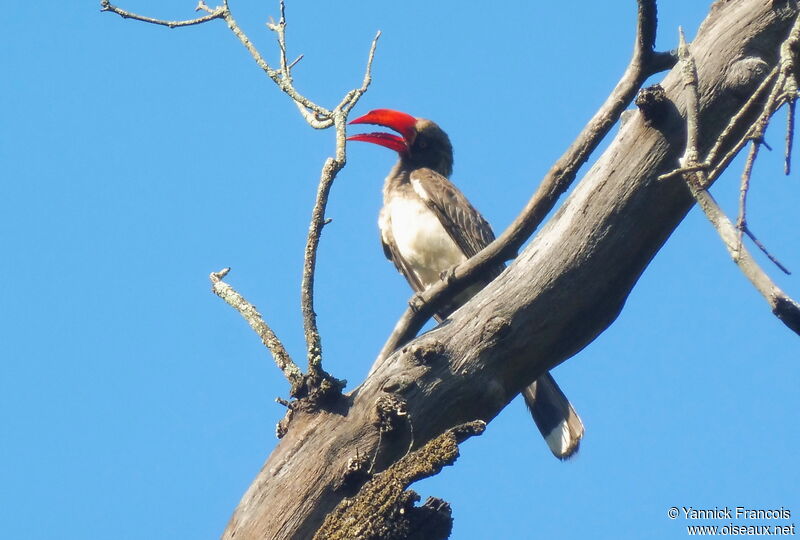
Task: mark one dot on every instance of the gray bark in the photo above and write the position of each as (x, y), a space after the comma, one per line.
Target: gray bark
(562, 291)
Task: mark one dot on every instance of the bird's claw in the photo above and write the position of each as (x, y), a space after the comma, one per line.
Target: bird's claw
(448, 275)
(416, 303)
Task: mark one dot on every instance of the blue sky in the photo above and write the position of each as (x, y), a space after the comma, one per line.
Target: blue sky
(135, 160)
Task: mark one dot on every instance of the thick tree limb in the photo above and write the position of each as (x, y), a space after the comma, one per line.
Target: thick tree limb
(644, 63)
(565, 288)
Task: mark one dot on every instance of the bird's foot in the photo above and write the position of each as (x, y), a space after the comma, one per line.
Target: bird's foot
(448, 275)
(416, 303)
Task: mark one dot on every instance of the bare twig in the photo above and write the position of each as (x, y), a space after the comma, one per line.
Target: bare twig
(787, 163)
(764, 249)
(784, 90)
(782, 85)
(295, 61)
(329, 171)
(317, 117)
(313, 341)
(788, 60)
(644, 63)
(256, 322)
(216, 13)
(280, 29)
(202, 6)
(680, 171)
(746, 109)
(351, 98)
(277, 76)
(744, 187)
(691, 157)
(786, 309)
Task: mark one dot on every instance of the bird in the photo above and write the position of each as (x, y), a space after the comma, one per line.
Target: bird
(427, 227)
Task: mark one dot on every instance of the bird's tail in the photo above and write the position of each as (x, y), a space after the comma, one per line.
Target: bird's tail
(560, 425)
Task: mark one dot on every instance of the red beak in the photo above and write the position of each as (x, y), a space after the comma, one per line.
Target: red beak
(400, 122)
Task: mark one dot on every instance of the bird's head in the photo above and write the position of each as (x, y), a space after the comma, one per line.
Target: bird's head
(422, 143)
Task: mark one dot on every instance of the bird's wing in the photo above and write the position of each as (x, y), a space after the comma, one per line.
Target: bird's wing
(465, 225)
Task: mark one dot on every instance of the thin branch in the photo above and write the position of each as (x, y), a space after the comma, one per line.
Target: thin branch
(313, 340)
(689, 75)
(352, 97)
(329, 171)
(284, 83)
(296, 60)
(745, 110)
(784, 90)
(788, 59)
(680, 171)
(788, 63)
(256, 322)
(280, 29)
(764, 250)
(645, 62)
(223, 12)
(786, 309)
(216, 13)
(744, 187)
(787, 163)
(317, 117)
(782, 83)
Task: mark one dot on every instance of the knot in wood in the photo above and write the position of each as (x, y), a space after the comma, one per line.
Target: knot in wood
(426, 352)
(355, 473)
(283, 425)
(744, 75)
(397, 384)
(495, 328)
(652, 102)
(391, 412)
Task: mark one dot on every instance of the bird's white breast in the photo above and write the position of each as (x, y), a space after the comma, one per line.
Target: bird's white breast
(420, 238)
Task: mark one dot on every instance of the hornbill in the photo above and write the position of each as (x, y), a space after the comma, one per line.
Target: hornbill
(428, 226)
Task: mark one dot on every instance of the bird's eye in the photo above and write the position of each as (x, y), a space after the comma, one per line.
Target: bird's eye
(422, 143)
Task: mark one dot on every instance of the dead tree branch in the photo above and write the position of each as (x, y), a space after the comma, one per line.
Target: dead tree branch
(644, 63)
(256, 322)
(784, 307)
(217, 13)
(329, 171)
(317, 117)
(383, 508)
(563, 289)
